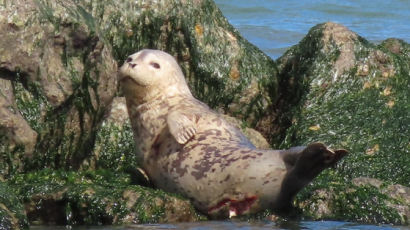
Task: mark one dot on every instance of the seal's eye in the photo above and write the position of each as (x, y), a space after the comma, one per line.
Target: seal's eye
(155, 65)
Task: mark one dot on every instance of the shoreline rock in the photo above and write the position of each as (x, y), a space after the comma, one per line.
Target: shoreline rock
(57, 83)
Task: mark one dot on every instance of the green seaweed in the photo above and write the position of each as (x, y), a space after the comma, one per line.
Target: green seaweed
(88, 197)
(365, 110)
(348, 202)
(116, 150)
(12, 214)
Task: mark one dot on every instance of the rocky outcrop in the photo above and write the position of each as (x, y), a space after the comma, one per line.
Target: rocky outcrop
(365, 200)
(12, 213)
(339, 89)
(58, 68)
(56, 197)
(57, 79)
(58, 63)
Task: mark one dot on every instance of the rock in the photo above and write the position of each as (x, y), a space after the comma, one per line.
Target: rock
(363, 199)
(346, 92)
(58, 78)
(114, 146)
(57, 82)
(222, 68)
(12, 214)
(254, 136)
(95, 198)
(61, 64)
(399, 195)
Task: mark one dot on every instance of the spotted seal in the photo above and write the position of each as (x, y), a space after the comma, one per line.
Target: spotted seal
(187, 148)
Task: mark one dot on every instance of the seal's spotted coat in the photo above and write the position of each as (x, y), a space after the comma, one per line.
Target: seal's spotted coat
(187, 148)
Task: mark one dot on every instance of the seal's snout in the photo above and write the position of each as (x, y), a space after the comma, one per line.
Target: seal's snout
(129, 61)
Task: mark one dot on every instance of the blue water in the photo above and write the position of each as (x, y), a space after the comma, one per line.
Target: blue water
(274, 26)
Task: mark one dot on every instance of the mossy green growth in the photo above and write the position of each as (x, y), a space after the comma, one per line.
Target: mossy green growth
(296, 66)
(115, 148)
(368, 113)
(30, 101)
(220, 66)
(343, 200)
(363, 107)
(90, 197)
(12, 214)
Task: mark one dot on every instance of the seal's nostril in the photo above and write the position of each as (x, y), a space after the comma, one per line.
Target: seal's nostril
(133, 65)
(129, 59)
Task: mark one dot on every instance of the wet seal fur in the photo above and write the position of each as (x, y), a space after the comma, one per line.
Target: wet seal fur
(187, 148)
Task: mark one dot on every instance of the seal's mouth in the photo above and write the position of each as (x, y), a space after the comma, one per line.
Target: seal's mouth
(126, 79)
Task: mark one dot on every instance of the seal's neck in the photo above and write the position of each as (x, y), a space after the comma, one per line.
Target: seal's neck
(138, 95)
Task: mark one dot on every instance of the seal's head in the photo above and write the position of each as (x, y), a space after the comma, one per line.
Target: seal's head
(150, 73)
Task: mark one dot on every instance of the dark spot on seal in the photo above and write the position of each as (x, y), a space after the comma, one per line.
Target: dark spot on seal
(129, 59)
(181, 156)
(245, 151)
(201, 138)
(248, 156)
(201, 168)
(227, 177)
(210, 149)
(265, 182)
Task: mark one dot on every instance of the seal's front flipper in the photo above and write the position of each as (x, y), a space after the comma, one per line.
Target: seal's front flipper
(181, 126)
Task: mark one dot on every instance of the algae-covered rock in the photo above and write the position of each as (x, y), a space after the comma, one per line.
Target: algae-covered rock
(58, 63)
(58, 78)
(12, 215)
(363, 200)
(95, 198)
(339, 89)
(58, 68)
(221, 67)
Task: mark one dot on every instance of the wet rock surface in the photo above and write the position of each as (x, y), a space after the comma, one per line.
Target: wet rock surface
(56, 197)
(57, 81)
(349, 93)
(59, 109)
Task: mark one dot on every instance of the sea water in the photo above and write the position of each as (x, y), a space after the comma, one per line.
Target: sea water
(275, 25)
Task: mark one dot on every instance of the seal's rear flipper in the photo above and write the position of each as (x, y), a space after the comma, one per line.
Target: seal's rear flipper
(311, 161)
(339, 154)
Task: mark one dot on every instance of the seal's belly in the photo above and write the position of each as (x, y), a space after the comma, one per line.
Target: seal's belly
(212, 173)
